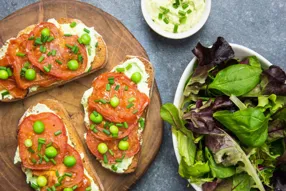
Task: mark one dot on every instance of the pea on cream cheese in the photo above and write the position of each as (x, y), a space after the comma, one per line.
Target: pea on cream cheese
(42, 108)
(175, 15)
(136, 66)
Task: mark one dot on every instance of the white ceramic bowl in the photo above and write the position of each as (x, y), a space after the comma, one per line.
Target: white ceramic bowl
(181, 35)
(240, 52)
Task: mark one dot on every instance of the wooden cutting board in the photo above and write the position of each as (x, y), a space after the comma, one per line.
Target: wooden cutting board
(120, 42)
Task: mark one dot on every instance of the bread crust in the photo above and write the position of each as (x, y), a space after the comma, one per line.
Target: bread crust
(99, 62)
(59, 109)
(149, 69)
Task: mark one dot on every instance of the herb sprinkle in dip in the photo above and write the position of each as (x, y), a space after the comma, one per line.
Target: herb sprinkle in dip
(176, 15)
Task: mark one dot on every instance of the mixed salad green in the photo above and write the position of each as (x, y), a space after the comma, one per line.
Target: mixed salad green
(231, 126)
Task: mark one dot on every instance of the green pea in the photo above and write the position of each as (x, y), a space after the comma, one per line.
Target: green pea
(123, 145)
(28, 143)
(68, 189)
(96, 118)
(51, 152)
(45, 32)
(85, 39)
(136, 77)
(73, 65)
(4, 75)
(69, 161)
(42, 181)
(114, 102)
(39, 127)
(113, 130)
(30, 74)
(102, 148)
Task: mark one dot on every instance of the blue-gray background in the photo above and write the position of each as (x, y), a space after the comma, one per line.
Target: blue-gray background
(257, 24)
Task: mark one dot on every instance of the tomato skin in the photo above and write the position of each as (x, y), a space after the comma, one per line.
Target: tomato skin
(85, 183)
(63, 53)
(123, 132)
(77, 172)
(133, 139)
(52, 124)
(121, 113)
(19, 45)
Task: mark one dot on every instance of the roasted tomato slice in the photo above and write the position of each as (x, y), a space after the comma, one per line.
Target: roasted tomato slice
(98, 129)
(131, 101)
(117, 154)
(10, 84)
(33, 157)
(21, 63)
(59, 51)
(61, 176)
(85, 183)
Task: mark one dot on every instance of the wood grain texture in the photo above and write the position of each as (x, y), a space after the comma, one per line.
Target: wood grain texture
(120, 43)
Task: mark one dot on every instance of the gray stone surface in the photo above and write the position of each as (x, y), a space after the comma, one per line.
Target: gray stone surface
(257, 24)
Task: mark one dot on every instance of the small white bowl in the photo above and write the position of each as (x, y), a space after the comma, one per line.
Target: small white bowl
(240, 53)
(181, 35)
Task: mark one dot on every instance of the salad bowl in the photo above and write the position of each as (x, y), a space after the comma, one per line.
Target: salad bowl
(240, 52)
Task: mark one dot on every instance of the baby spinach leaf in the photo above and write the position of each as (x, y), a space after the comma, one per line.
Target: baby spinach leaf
(236, 79)
(242, 182)
(199, 169)
(249, 125)
(207, 58)
(218, 170)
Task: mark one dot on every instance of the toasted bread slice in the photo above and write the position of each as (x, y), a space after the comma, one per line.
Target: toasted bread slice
(59, 110)
(150, 71)
(99, 61)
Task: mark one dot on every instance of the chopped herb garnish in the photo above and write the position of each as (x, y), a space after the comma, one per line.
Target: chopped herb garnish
(189, 11)
(31, 38)
(3, 68)
(79, 57)
(54, 52)
(57, 184)
(176, 26)
(135, 111)
(59, 62)
(50, 39)
(31, 150)
(68, 174)
(92, 127)
(183, 20)
(96, 44)
(43, 49)
(106, 131)
(86, 30)
(105, 160)
(57, 173)
(67, 34)
(53, 161)
(73, 24)
(79, 40)
(33, 160)
(49, 53)
(42, 140)
(103, 101)
(107, 87)
(38, 41)
(182, 13)
(20, 54)
(160, 16)
(111, 152)
(126, 88)
(88, 189)
(4, 93)
(114, 168)
(125, 138)
(131, 99)
(50, 144)
(185, 5)
(58, 132)
(46, 158)
(117, 87)
(95, 113)
(120, 69)
(125, 124)
(141, 123)
(119, 124)
(35, 186)
(41, 59)
(74, 187)
(89, 51)
(95, 130)
(120, 160)
(48, 68)
(166, 20)
(69, 46)
(129, 67)
(129, 105)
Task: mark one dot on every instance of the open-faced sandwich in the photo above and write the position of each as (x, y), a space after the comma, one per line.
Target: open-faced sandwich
(48, 54)
(115, 111)
(51, 153)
